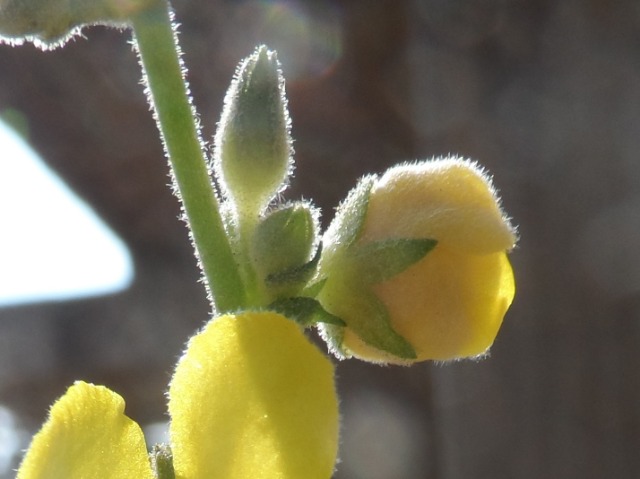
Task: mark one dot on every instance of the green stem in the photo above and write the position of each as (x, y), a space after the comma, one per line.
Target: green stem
(168, 94)
(246, 228)
(162, 462)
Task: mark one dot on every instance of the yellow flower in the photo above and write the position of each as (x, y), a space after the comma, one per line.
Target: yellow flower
(451, 302)
(251, 397)
(87, 435)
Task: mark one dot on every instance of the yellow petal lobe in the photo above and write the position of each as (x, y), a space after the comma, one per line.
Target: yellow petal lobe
(448, 305)
(87, 436)
(253, 398)
(451, 200)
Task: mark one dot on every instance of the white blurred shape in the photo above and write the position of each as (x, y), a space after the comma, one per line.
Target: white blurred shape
(52, 245)
(10, 440)
(156, 433)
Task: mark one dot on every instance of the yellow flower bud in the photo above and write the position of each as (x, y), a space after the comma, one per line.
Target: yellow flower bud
(451, 302)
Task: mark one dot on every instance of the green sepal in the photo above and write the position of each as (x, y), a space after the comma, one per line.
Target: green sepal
(381, 260)
(349, 220)
(298, 275)
(373, 326)
(162, 461)
(284, 238)
(366, 317)
(281, 246)
(333, 336)
(305, 311)
(314, 289)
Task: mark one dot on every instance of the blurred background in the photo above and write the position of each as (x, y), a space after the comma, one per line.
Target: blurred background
(545, 94)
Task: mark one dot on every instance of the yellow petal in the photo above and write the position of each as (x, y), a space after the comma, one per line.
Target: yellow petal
(87, 436)
(449, 200)
(448, 306)
(253, 398)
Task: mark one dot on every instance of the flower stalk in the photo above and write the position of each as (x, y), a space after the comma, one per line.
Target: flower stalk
(163, 74)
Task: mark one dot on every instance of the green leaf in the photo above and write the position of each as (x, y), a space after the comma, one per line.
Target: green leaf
(51, 23)
(380, 260)
(305, 311)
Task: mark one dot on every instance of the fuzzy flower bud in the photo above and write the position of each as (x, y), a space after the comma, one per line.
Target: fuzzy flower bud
(448, 303)
(252, 144)
(283, 248)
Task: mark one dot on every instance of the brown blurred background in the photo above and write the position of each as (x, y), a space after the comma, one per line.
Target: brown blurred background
(545, 94)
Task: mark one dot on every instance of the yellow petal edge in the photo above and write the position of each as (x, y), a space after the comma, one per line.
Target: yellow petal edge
(253, 398)
(87, 436)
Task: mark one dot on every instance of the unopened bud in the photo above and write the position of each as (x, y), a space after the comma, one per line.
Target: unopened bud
(423, 273)
(252, 145)
(283, 248)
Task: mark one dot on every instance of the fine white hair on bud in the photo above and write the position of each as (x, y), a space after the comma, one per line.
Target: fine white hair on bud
(449, 198)
(253, 148)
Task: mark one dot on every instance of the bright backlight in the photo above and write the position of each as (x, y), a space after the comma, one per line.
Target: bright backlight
(52, 245)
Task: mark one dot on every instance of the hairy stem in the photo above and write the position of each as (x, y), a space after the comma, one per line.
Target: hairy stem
(167, 89)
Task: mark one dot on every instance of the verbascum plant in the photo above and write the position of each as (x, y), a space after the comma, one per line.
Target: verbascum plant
(413, 267)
